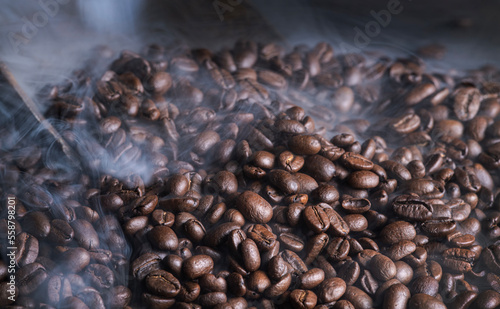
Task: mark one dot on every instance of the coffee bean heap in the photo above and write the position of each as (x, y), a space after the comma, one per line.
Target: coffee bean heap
(257, 177)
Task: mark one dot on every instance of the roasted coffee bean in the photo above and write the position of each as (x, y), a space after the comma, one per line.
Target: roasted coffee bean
(197, 266)
(37, 224)
(296, 263)
(263, 237)
(397, 231)
(311, 278)
(145, 264)
(100, 276)
(338, 226)
(316, 219)
(401, 249)
(357, 297)
(419, 92)
(73, 302)
(257, 282)
(162, 283)
(325, 194)
(250, 255)
(331, 289)
(458, 259)
(27, 249)
(338, 249)
(290, 162)
(412, 208)
(306, 183)
(314, 246)
(419, 301)
(363, 180)
(382, 267)
(217, 235)
(426, 285)
(356, 205)
(405, 124)
(284, 181)
(355, 161)
(30, 277)
(396, 296)
(291, 241)
(356, 222)
(466, 103)
(439, 227)
(396, 170)
(85, 234)
(303, 299)
(320, 168)
(304, 145)
(254, 207)
(75, 260)
(287, 126)
(163, 238)
(404, 273)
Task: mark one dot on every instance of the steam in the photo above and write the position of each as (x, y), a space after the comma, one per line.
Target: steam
(108, 16)
(69, 38)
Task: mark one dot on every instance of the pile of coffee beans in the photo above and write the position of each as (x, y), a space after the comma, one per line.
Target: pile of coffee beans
(259, 177)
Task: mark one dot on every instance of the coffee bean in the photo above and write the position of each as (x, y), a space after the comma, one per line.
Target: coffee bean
(254, 207)
(30, 277)
(397, 231)
(320, 168)
(217, 235)
(316, 219)
(37, 224)
(396, 296)
(27, 249)
(303, 299)
(356, 205)
(405, 124)
(466, 103)
(145, 264)
(162, 283)
(412, 208)
(85, 234)
(75, 260)
(304, 145)
(439, 227)
(458, 259)
(250, 255)
(356, 222)
(290, 162)
(163, 238)
(363, 180)
(291, 241)
(100, 276)
(426, 285)
(355, 161)
(382, 267)
(284, 181)
(357, 297)
(197, 266)
(404, 273)
(338, 249)
(424, 301)
(314, 246)
(418, 93)
(396, 170)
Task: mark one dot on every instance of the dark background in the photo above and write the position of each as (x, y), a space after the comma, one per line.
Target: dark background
(468, 29)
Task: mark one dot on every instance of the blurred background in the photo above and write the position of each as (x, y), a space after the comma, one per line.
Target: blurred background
(42, 41)
(45, 29)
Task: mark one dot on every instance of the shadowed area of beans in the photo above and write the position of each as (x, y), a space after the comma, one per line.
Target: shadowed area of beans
(258, 177)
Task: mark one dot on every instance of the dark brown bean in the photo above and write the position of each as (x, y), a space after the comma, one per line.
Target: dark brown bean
(254, 207)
